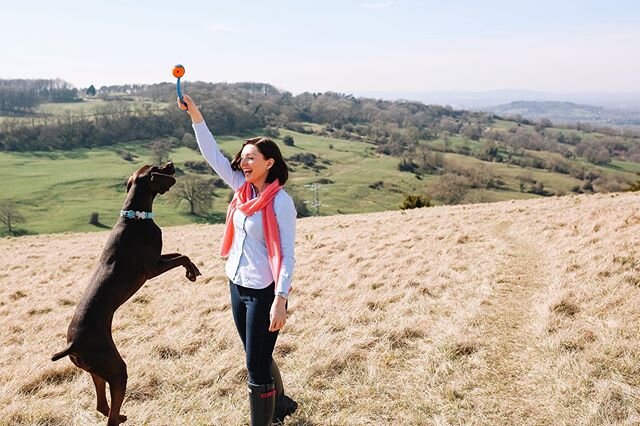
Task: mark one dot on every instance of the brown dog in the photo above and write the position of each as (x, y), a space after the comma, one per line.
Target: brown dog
(131, 256)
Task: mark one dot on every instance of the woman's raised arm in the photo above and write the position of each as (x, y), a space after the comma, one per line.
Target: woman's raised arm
(209, 147)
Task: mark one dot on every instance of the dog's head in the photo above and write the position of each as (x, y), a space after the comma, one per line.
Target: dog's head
(158, 179)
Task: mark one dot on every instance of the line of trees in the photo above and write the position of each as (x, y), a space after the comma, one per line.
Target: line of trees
(19, 97)
(238, 109)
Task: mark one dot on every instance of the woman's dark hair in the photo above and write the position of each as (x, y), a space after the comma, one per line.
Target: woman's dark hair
(268, 149)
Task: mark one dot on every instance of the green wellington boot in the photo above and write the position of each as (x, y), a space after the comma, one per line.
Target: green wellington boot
(285, 406)
(262, 399)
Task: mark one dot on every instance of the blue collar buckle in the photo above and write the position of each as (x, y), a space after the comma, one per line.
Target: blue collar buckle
(131, 214)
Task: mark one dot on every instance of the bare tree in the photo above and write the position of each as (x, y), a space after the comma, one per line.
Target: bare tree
(429, 161)
(10, 216)
(524, 178)
(450, 188)
(160, 151)
(445, 139)
(189, 141)
(198, 192)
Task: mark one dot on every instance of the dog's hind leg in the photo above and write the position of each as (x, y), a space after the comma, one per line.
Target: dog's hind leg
(101, 394)
(109, 367)
(117, 387)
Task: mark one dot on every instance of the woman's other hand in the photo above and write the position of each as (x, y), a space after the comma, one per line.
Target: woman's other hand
(191, 108)
(278, 314)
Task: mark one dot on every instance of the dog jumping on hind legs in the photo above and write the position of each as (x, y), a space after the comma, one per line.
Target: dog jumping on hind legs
(131, 256)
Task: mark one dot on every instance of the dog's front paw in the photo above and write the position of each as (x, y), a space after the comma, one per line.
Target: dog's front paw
(192, 271)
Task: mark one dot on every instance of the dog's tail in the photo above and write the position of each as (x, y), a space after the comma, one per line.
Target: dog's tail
(66, 351)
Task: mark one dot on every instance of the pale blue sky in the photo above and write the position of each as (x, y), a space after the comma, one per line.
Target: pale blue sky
(345, 46)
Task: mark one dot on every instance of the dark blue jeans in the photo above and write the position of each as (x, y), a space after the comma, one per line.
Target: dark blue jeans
(251, 310)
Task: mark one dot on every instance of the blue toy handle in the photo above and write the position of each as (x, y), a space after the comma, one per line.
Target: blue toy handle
(180, 93)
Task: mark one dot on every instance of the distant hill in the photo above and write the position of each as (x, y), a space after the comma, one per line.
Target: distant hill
(567, 112)
(483, 99)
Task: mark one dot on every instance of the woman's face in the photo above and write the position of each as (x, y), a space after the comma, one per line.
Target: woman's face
(253, 164)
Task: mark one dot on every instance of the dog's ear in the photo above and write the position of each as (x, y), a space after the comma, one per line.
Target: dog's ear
(129, 183)
(161, 183)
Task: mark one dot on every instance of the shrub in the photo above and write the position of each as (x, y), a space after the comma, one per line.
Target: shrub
(634, 187)
(559, 166)
(538, 189)
(324, 181)
(201, 167)
(297, 127)
(125, 155)
(415, 202)
(301, 207)
(610, 184)
(306, 158)
(189, 141)
(407, 166)
(288, 140)
(271, 132)
(471, 131)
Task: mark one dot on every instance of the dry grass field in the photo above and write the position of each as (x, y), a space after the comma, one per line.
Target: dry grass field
(514, 313)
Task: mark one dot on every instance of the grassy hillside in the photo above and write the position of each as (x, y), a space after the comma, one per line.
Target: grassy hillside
(520, 312)
(57, 191)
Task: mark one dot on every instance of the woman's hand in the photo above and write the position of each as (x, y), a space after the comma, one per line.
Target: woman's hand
(191, 108)
(278, 314)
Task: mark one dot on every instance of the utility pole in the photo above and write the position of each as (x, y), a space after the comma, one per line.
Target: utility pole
(315, 202)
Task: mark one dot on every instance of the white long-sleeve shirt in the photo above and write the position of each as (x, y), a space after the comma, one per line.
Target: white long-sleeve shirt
(248, 262)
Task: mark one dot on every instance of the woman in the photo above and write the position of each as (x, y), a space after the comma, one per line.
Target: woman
(259, 241)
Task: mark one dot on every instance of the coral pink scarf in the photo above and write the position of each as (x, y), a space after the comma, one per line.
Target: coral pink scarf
(263, 202)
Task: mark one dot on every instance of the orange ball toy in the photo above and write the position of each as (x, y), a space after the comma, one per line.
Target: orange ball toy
(178, 71)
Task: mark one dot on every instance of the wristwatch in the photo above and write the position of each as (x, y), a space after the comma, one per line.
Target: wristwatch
(282, 294)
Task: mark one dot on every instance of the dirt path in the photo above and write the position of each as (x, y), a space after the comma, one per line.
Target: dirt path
(508, 329)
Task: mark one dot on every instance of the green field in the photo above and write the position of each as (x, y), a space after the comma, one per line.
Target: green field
(57, 191)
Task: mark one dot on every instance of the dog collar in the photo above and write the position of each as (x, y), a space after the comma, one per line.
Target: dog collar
(130, 214)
